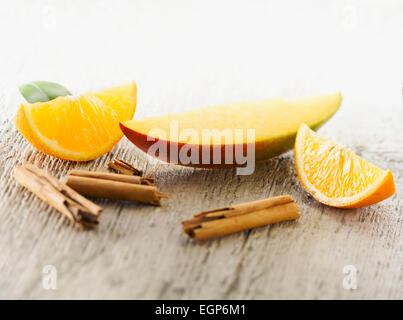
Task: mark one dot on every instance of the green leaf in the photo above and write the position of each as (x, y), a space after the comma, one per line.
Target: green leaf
(42, 91)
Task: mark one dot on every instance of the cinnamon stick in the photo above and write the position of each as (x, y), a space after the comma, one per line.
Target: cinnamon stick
(99, 187)
(113, 177)
(222, 221)
(124, 167)
(64, 199)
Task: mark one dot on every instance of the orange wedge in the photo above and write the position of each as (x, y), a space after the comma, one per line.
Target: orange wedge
(335, 175)
(78, 128)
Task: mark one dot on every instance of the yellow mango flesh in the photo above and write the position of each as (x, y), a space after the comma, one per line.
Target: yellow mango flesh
(275, 121)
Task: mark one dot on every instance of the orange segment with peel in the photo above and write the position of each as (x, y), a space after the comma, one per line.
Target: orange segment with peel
(335, 175)
(78, 128)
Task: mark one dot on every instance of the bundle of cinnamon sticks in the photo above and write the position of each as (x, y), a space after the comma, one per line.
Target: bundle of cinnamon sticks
(68, 198)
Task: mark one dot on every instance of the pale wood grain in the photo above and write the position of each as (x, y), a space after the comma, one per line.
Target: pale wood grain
(139, 251)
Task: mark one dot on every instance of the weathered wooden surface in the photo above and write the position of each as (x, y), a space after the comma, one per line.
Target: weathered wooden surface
(187, 55)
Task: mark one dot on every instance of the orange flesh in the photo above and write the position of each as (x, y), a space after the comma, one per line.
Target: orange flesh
(334, 170)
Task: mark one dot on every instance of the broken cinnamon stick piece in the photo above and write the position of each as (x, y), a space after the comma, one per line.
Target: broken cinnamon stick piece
(222, 221)
(124, 167)
(113, 177)
(64, 199)
(115, 189)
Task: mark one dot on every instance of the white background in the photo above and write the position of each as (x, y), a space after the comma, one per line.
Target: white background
(185, 54)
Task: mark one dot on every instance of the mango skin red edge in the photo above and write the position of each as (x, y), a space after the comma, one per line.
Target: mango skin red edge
(140, 140)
